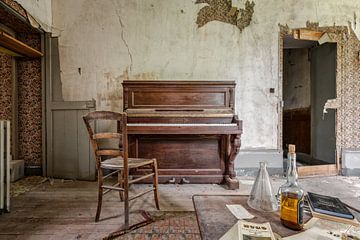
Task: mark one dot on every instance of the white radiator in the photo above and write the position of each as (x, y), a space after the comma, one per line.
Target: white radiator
(4, 166)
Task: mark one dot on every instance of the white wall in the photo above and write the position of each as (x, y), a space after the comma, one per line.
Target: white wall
(40, 10)
(159, 39)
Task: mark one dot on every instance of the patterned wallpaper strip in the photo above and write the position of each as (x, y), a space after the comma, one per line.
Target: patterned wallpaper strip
(5, 86)
(30, 108)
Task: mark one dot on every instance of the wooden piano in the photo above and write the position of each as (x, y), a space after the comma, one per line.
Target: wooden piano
(188, 126)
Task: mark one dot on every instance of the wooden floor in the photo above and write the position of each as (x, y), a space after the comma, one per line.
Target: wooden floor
(66, 209)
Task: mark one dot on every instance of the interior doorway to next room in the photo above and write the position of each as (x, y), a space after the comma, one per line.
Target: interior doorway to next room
(309, 81)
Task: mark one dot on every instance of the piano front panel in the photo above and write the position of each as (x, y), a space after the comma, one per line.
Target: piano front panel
(155, 99)
(178, 94)
(193, 157)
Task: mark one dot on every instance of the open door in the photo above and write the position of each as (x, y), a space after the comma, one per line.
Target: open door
(309, 81)
(323, 88)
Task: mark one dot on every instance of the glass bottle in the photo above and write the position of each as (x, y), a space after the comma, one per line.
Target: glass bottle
(292, 196)
(291, 155)
(261, 197)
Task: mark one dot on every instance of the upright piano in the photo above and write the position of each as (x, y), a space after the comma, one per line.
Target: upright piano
(190, 127)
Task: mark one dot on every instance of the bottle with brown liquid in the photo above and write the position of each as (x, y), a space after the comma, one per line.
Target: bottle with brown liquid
(292, 196)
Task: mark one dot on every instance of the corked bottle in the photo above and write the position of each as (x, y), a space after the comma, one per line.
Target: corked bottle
(292, 196)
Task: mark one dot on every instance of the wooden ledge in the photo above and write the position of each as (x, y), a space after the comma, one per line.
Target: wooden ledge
(17, 46)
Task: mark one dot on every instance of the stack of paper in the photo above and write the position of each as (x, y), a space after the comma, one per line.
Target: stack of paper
(244, 230)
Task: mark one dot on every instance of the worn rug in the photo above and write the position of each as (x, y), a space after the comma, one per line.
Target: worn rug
(167, 226)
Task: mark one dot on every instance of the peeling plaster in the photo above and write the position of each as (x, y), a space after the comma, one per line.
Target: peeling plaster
(312, 25)
(331, 104)
(223, 11)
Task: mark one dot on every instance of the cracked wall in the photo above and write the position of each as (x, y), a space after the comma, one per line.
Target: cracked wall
(165, 43)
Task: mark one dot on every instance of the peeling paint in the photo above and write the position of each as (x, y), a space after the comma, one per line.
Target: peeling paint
(330, 104)
(223, 11)
(312, 25)
(245, 15)
(110, 97)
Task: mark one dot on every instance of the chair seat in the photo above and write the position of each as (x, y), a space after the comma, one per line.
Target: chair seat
(118, 163)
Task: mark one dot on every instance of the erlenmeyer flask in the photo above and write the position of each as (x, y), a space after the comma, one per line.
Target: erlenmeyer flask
(261, 197)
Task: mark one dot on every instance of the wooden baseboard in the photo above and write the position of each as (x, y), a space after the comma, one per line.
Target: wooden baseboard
(318, 170)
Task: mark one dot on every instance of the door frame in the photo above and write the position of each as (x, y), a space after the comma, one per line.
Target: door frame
(310, 34)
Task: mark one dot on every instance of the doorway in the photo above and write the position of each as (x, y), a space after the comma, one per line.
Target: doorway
(309, 81)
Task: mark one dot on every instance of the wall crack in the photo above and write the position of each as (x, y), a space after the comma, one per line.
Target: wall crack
(123, 38)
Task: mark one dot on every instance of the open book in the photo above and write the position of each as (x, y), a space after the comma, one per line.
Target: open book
(243, 230)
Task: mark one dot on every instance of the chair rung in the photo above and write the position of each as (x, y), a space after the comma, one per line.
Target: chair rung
(110, 174)
(142, 193)
(141, 178)
(113, 187)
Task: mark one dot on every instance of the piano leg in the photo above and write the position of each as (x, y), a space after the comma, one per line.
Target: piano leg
(234, 148)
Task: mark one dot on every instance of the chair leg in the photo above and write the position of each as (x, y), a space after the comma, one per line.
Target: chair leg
(155, 184)
(121, 182)
(100, 194)
(126, 198)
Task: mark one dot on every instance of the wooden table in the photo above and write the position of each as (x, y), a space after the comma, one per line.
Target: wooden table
(214, 218)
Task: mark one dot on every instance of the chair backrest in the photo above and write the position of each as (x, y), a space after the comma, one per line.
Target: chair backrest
(98, 139)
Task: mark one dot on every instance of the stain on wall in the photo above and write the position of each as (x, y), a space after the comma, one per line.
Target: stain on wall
(29, 104)
(5, 86)
(223, 11)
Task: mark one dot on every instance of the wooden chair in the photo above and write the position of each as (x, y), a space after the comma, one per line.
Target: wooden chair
(116, 160)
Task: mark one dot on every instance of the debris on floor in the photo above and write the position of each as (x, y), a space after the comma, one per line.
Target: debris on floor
(26, 184)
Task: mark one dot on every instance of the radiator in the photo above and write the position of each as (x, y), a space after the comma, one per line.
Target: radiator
(4, 166)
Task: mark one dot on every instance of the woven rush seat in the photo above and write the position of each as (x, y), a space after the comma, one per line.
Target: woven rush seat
(118, 163)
